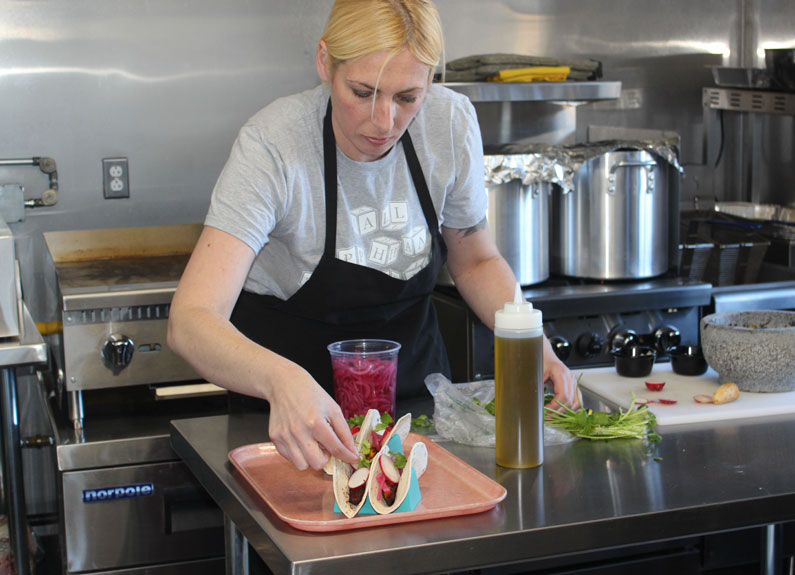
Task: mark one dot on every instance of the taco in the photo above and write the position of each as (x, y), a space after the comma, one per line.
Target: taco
(390, 477)
(352, 483)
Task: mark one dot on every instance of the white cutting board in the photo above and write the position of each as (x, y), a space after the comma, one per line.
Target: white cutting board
(615, 389)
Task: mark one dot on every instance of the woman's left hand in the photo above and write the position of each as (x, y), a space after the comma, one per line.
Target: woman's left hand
(562, 379)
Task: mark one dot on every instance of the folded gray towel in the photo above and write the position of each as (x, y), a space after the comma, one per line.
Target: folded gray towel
(480, 66)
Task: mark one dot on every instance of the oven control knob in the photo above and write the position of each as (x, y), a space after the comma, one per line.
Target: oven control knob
(666, 337)
(621, 337)
(589, 344)
(561, 347)
(117, 352)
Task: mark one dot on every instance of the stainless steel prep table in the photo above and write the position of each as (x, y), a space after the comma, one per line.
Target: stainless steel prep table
(702, 478)
(26, 349)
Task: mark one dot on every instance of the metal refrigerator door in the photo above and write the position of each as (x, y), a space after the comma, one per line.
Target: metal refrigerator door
(137, 515)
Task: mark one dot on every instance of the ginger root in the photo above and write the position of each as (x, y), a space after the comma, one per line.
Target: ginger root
(726, 393)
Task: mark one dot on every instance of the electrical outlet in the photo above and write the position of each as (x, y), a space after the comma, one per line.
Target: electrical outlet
(115, 178)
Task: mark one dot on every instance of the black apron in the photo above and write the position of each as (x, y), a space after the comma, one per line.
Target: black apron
(342, 300)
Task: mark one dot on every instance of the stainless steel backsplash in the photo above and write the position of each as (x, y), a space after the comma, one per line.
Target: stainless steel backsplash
(167, 85)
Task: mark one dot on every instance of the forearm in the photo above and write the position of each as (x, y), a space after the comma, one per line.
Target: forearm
(224, 356)
(486, 287)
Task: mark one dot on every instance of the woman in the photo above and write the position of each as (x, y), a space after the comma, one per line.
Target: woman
(330, 221)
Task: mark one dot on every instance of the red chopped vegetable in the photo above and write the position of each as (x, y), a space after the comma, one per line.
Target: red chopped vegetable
(644, 401)
(703, 398)
(362, 384)
(655, 385)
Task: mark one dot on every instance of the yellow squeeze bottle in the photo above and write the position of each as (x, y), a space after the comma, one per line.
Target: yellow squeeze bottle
(519, 385)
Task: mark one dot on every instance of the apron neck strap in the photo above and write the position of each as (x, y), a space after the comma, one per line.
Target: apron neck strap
(423, 193)
(330, 181)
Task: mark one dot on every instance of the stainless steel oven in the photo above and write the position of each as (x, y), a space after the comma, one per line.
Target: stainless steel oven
(127, 503)
(582, 319)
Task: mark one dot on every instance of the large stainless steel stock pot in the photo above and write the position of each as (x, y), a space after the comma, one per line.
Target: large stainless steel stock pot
(614, 223)
(518, 216)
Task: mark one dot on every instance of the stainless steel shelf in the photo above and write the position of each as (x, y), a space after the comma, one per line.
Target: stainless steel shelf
(537, 91)
(26, 349)
(758, 101)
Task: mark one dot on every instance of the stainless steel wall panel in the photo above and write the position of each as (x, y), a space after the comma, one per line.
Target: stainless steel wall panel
(168, 84)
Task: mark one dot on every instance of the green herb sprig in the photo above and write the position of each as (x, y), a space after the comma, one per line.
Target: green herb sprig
(635, 422)
(421, 423)
(491, 406)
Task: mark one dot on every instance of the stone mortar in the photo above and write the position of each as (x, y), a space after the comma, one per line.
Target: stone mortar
(754, 349)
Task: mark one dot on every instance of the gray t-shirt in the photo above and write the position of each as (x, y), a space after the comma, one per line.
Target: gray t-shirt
(270, 194)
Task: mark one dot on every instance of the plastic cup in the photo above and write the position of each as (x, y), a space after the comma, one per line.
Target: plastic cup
(365, 375)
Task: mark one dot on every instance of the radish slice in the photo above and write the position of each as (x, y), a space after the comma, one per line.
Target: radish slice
(388, 467)
(666, 401)
(703, 398)
(358, 478)
(655, 385)
(643, 401)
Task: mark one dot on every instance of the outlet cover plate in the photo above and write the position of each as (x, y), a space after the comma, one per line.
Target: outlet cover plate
(115, 178)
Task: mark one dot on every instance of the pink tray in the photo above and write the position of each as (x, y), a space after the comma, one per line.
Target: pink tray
(305, 500)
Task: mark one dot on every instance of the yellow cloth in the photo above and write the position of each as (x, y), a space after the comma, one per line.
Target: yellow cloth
(49, 327)
(534, 74)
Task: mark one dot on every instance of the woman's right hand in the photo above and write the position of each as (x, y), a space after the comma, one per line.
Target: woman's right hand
(306, 424)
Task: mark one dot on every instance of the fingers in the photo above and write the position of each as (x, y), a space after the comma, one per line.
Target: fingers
(287, 449)
(310, 443)
(565, 385)
(341, 443)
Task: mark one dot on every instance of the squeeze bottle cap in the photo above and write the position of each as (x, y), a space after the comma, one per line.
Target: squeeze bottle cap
(518, 314)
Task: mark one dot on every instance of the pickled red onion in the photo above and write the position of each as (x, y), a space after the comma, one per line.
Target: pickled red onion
(364, 383)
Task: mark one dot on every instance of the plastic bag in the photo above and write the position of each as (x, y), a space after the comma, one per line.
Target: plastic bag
(458, 418)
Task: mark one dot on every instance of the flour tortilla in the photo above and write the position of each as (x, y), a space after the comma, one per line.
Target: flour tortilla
(342, 470)
(371, 419)
(416, 464)
(401, 429)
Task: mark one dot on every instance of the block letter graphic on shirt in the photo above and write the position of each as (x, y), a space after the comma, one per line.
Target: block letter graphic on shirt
(395, 216)
(347, 255)
(384, 250)
(366, 220)
(415, 241)
(353, 255)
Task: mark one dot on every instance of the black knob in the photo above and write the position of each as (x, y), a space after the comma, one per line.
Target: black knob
(589, 344)
(117, 353)
(561, 347)
(666, 337)
(621, 337)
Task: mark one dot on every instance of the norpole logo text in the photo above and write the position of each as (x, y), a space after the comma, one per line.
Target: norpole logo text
(120, 492)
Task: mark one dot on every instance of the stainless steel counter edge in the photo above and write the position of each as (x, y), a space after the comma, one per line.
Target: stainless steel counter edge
(701, 478)
(96, 454)
(26, 349)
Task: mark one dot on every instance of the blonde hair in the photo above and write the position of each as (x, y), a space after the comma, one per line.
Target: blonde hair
(360, 27)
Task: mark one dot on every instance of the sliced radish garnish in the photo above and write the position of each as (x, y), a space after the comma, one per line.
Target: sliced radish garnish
(666, 401)
(388, 467)
(642, 400)
(655, 385)
(358, 478)
(703, 398)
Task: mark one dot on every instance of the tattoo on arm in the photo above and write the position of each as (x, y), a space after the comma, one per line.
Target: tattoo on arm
(471, 230)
